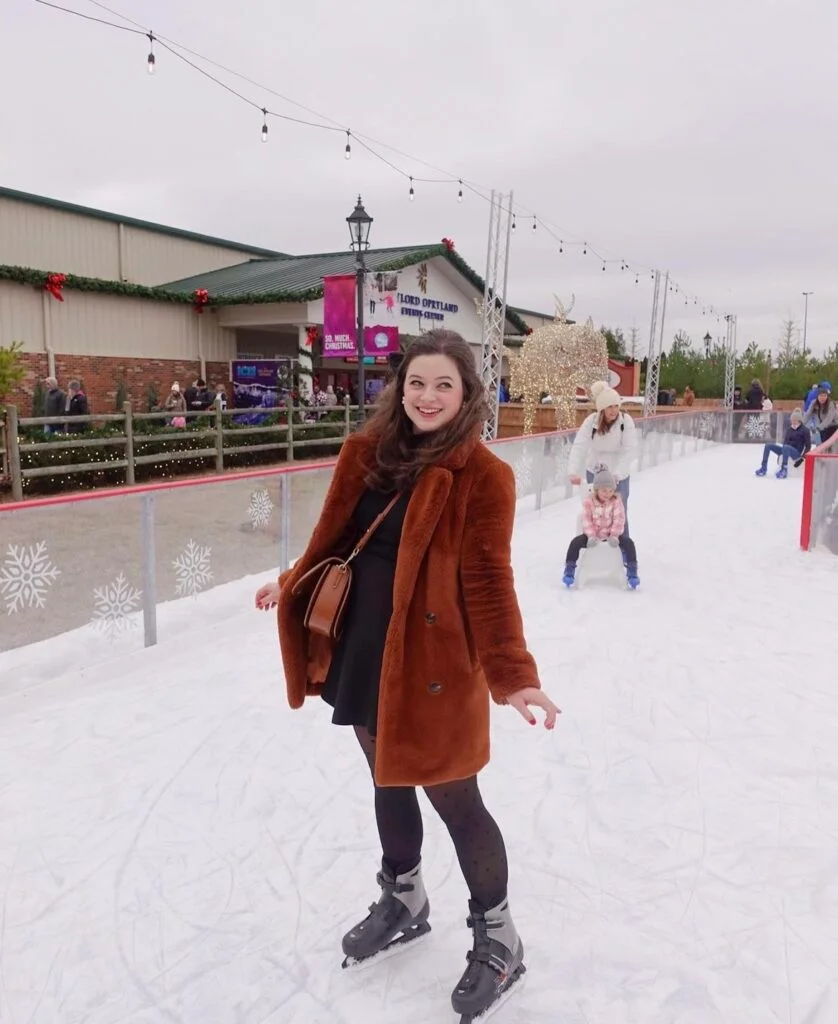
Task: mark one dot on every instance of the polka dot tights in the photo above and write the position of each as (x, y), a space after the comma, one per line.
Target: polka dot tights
(477, 839)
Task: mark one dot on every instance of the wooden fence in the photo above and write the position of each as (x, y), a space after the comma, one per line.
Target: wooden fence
(215, 428)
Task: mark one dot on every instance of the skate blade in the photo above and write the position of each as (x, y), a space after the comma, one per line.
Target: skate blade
(513, 986)
(415, 934)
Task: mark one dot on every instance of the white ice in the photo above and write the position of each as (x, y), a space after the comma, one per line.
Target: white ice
(177, 846)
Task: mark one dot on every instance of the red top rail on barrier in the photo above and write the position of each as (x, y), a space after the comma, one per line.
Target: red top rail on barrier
(252, 474)
(821, 452)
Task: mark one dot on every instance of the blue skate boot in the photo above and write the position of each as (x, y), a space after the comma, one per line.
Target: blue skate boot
(569, 578)
(781, 474)
(761, 471)
(632, 579)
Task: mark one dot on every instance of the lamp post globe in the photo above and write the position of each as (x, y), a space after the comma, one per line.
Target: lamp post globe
(360, 222)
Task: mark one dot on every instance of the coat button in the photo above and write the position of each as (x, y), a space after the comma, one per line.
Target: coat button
(435, 687)
(430, 618)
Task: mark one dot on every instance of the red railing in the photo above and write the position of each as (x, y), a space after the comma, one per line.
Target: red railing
(810, 469)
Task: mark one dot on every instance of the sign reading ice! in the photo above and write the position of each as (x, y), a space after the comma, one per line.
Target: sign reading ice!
(425, 309)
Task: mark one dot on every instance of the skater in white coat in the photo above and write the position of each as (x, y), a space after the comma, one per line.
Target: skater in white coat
(608, 439)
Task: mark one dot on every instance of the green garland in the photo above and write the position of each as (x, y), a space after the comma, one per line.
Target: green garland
(74, 282)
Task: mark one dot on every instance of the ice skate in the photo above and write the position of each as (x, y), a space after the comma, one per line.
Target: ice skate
(632, 579)
(569, 578)
(781, 474)
(761, 471)
(400, 917)
(495, 964)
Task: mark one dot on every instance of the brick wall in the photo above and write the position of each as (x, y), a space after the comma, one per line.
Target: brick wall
(100, 377)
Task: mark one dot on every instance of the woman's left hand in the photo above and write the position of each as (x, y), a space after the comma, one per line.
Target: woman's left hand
(521, 700)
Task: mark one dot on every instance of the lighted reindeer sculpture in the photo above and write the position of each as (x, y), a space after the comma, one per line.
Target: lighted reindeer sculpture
(557, 359)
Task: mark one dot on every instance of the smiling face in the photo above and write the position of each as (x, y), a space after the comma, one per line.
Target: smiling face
(433, 392)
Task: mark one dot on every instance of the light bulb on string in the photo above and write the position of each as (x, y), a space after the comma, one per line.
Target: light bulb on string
(514, 225)
(152, 60)
(585, 249)
(412, 193)
(603, 266)
(347, 153)
(460, 193)
(264, 125)
(534, 223)
(637, 279)
(561, 246)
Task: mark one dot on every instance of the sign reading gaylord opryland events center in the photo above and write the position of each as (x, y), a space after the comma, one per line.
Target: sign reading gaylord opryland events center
(381, 329)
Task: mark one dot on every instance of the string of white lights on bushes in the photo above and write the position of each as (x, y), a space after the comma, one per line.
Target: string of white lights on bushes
(183, 53)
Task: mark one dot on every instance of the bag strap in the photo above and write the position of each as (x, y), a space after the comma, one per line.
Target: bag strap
(374, 525)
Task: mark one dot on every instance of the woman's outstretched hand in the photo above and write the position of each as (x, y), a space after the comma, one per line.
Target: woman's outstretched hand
(575, 480)
(522, 700)
(267, 596)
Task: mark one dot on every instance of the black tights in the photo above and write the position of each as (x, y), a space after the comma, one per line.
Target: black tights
(477, 838)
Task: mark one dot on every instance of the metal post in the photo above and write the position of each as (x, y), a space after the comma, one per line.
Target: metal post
(219, 437)
(730, 375)
(359, 276)
(128, 413)
(285, 521)
(13, 450)
(805, 318)
(149, 579)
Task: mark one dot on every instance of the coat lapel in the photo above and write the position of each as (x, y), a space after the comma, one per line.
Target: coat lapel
(423, 513)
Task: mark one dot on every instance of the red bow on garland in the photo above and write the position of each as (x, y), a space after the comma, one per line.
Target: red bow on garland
(200, 298)
(54, 285)
(449, 244)
(311, 336)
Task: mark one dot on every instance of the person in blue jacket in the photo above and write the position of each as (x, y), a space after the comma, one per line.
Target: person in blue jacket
(810, 397)
(795, 444)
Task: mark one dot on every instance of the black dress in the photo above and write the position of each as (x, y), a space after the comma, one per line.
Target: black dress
(352, 682)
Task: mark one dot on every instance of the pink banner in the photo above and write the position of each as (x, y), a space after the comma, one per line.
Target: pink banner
(381, 341)
(339, 328)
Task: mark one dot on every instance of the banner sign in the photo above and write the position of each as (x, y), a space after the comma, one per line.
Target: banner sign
(339, 328)
(381, 316)
(260, 383)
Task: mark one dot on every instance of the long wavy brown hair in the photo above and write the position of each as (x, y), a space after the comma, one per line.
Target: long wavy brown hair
(402, 454)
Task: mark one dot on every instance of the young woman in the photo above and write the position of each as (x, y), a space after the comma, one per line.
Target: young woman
(433, 628)
(606, 439)
(822, 417)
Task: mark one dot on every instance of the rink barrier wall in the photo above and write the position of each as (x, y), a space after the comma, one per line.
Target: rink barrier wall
(819, 513)
(108, 559)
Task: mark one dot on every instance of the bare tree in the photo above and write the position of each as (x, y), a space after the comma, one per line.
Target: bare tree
(788, 347)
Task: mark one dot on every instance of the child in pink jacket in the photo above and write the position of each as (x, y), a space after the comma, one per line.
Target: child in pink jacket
(603, 522)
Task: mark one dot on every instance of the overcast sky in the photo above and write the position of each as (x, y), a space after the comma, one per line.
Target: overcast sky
(697, 136)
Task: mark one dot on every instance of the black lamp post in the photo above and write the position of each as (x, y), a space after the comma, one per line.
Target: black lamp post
(708, 341)
(360, 223)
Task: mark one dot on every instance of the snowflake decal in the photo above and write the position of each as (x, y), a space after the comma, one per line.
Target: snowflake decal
(261, 509)
(113, 607)
(523, 473)
(756, 428)
(706, 425)
(192, 569)
(26, 576)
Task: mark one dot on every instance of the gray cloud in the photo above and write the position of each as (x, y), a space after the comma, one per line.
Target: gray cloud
(697, 137)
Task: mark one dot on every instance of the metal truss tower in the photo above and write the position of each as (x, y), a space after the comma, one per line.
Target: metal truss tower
(653, 359)
(494, 305)
(730, 360)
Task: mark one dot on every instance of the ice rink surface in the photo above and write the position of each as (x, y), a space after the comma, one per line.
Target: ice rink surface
(177, 846)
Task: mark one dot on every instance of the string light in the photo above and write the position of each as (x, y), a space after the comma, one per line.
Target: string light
(152, 60)
(514, 225)
(412, 194)
(603, 266)
(175, 48)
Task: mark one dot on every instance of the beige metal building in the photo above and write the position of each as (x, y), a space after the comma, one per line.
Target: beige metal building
(128, 323)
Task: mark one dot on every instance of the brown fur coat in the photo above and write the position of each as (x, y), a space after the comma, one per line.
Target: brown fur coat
(456, 634)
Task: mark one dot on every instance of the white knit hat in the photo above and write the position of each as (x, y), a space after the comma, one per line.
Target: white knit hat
(603, 396)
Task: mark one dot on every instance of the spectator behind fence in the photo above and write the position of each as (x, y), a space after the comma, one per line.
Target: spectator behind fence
(54, 405)
(77, 406)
